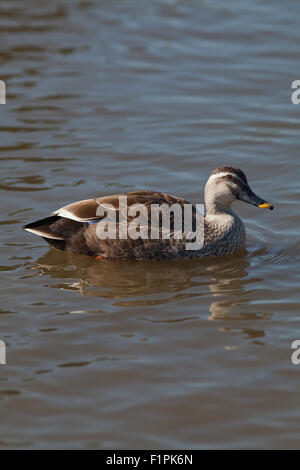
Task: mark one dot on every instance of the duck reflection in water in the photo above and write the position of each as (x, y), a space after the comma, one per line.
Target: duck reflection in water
(144, 284)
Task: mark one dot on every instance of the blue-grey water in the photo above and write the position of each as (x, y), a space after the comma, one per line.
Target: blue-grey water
(104, 97)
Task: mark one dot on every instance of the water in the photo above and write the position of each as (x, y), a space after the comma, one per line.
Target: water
(104, 97)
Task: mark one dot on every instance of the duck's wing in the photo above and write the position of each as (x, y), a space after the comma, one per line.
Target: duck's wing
(142, 247)
(90, 210)
(80, 211)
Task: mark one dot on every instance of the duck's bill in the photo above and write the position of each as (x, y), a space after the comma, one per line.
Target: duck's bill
(266, 205)
(251, 198)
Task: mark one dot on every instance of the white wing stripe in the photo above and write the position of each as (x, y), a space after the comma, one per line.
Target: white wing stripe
(36, 231)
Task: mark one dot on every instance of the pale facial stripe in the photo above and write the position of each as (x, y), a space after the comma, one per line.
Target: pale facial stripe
(225, 173)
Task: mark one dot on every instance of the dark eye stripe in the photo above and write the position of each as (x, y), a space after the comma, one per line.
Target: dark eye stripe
(243, 186)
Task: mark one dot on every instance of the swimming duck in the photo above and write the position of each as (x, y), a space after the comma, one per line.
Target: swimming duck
(73, 228)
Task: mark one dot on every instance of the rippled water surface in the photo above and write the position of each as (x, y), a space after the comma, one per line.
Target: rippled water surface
(104, 97)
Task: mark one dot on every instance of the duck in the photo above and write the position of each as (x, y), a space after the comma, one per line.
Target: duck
(74, 227)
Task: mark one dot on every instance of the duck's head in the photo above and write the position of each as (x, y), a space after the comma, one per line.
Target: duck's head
(227, 184)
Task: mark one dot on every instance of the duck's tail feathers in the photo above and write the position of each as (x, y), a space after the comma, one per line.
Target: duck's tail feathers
(43, 229)
(58, 231)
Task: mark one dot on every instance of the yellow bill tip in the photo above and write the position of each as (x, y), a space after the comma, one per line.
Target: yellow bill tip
(266, 205)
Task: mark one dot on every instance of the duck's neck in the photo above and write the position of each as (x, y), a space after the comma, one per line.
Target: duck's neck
(214, 208)
(225, 230)
(220, 217)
